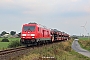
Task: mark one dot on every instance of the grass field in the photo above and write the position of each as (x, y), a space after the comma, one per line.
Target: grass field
(5, 44)
(84, 38)
(85, 43)
(11, 39)
(60, 51)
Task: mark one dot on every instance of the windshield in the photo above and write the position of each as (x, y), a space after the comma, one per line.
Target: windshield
(31, 28)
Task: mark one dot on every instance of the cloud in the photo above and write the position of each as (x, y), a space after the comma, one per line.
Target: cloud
(43, 6)
(6, 1)
(47, 8)
(87, 8)
(76, 0)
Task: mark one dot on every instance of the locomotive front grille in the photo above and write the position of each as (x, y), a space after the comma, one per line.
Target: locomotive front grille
(30, 41)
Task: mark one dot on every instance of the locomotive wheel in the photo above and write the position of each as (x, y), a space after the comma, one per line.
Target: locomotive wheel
(38, 43)
(26, 45)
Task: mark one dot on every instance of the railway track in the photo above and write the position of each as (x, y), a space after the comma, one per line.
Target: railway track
(12, 53)
(3, 52)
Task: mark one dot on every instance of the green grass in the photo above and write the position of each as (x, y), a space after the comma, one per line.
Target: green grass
(3, 45)
(10, 39)
(84, 38)
(85, 44)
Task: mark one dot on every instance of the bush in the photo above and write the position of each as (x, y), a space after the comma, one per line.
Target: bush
(14, 44)
(5, 40)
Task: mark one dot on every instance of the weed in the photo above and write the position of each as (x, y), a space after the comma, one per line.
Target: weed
(14, 44)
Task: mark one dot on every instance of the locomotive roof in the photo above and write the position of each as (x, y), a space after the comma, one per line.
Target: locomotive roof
(39, 25)
(32, 23)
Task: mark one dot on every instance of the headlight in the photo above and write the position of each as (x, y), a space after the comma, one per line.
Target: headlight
(32, 37)
(23, 34)
(23, 37)
(32, 34)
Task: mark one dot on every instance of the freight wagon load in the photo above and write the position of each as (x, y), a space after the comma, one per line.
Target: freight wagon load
(58, 35)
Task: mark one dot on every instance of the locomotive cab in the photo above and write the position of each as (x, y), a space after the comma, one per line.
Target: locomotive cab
(28, 35)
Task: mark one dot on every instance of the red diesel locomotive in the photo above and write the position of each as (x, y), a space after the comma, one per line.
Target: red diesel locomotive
(33, 33)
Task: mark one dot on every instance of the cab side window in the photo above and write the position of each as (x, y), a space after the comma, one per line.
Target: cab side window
(38, 28)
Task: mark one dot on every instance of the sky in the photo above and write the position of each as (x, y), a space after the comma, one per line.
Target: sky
(64, 15)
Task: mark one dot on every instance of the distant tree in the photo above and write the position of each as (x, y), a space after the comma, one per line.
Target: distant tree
(3, 33)
(13, 32)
